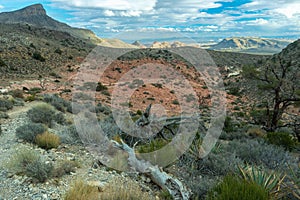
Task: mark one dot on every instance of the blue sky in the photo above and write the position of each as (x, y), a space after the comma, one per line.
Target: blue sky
(154, 19)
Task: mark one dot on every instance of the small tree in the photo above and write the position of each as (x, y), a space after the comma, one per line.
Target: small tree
(278, 81)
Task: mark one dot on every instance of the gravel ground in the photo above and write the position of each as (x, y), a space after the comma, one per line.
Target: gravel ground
(21, 187)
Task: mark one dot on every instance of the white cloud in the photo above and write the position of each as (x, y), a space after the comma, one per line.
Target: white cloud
(109, 4)
(289, 10)
(108, 13)
(1, 7)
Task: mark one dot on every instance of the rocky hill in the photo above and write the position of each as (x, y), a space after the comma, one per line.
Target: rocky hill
(35, 15)
(251, 45)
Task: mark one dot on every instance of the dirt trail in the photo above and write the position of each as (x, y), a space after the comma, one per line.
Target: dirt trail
(17, 110)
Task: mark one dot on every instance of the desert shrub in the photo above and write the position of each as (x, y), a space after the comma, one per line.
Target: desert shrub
(3, 115)
(259, 116)
(60, 118)
(257, 152)
(30, 98)
(219, 164)
(100, 87)
(65, 167)
(234, 188)
(175, 102)
(81, 190)
(17, 93)
(283, 139)
(57, 102)
(229, 125)
(152, 146)
(29, 162)
(105, 92)
(165, 195)
(256, 132)
(236, 135)
(42, 113)
(28, 132)
(58, 51)
(39, 170)
(20, 159)
(69, 135)
(125, 190)
(47, 140)
(5, 105)
(2, 63)
(37, 56)
(234, 91)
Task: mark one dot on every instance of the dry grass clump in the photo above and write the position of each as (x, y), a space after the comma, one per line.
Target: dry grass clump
(82, 191)
(119, 189)
(47, 140)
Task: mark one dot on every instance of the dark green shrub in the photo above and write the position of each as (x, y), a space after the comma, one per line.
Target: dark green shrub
(39, 170)
(229, 126)
(58, 51)
(42, 113)
(2, 63)
(100, 87)
(5, 105)
(28, 132)
(175, 102)
(60, 118)
(234, 188)
(281, 139)
(37, 56)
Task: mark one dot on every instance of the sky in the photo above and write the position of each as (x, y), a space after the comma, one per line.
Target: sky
(195, 20)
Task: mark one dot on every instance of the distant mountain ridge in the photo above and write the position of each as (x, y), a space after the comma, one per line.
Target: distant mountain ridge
(251, 44)
(36, 15)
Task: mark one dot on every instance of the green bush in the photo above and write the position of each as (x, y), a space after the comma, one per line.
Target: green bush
(5, 105)
(258, 152)
(37, 56)
(29, 162)
(39, 170)
(281, 139)
(28, 132)
(42, 113)
(57, 102)
(234, 188)
(2, 63)
(20, 159)
(100, 87)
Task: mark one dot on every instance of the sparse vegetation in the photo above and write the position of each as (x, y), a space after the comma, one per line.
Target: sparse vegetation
(28, 132)
(81, 190)
(30, 163)
(47, 140)
(42, 113)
